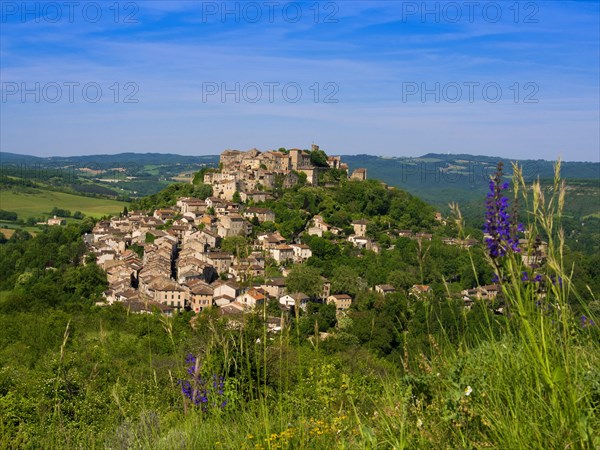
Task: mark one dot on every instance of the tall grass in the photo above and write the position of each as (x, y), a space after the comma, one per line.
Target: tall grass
(538, 386)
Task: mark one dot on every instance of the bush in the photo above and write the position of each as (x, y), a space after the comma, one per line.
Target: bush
(8, 215)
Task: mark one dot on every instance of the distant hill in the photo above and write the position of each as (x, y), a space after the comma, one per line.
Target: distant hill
(436, 178)
(440, 178)
(108, 161)
(125, 175)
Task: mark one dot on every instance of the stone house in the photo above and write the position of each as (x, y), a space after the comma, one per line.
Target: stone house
(385, 289)
(342, 302)
(301, 252)
(233, 225)
(262, 214)
(252, 298)
(360, 227)
(359, 174)
(297, 299)
(282, 253)
(201, 297)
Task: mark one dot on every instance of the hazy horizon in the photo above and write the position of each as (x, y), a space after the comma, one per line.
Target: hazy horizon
(275, 148)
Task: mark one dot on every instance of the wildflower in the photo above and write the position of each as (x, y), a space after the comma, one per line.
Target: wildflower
(419, 423)
(199, 391)
(553, 279)
(468, 390)
(500, 227)
(586, 322)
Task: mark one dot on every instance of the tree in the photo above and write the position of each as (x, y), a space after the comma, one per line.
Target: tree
(322, 248)
(236, 197)
(323, 315)
(8, 215)
(302, 178)
(238, 245)
(305, 279)
(20, 235)
(318, 158)
(203, 191)
(345, 280)
(90, 258)
(402, 279)
(199, 176)
(58, 212)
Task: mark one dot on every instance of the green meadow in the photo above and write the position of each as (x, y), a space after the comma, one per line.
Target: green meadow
(37, 203)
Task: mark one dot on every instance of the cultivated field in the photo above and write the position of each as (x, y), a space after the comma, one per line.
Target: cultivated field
(41, 203)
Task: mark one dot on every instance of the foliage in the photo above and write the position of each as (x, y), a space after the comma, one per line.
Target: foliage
(318, 316)
(318, 158)
(346, 280)
(305, 279)
(52, 253)
(58, 212)
(199, 176)
(168, 197)
(8, 215)
(238, 245)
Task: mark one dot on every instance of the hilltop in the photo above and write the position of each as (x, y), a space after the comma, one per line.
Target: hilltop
(437, 178)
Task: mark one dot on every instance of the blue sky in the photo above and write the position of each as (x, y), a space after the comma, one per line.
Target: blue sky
(393, 78)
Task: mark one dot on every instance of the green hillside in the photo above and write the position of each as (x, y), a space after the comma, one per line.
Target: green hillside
(415, 368)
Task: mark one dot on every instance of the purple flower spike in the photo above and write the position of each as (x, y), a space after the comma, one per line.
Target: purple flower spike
(200, 390)
(586, 322)
(499, 223)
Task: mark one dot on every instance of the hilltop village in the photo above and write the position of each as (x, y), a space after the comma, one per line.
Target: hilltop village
(182, 264)
(173, 258)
